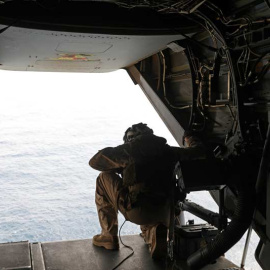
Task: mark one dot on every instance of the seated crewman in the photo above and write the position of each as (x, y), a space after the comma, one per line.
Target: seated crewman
(136, 179)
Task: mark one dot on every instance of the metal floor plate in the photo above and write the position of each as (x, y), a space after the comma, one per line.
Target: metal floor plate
(15, 256)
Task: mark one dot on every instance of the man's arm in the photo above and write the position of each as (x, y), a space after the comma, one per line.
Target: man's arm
(110, 158)
(195, 149)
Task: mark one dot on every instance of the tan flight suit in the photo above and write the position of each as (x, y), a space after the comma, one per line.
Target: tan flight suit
(136, 179)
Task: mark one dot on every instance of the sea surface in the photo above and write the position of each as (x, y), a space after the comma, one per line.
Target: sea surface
(51, 124)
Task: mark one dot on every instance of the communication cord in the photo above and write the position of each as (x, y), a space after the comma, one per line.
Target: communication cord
(129, 247)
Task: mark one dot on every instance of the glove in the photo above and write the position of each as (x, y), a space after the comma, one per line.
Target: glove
(188, 133)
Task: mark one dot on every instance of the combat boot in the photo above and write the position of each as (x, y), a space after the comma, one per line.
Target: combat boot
(106, 241)
(158, 247)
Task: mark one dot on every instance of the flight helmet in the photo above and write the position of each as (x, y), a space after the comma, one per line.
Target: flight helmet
(136, 130)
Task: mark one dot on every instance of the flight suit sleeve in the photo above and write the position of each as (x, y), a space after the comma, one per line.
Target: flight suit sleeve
(110, 158)
(195, 150)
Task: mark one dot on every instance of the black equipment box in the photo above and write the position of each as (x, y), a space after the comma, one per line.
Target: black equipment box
(190, 238)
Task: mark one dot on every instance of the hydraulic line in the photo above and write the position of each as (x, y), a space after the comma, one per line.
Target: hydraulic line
(240, 222)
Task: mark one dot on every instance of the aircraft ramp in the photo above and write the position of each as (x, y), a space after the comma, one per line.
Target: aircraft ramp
(82, 255)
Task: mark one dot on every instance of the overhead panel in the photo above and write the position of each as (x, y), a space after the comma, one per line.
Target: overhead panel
(43, 50)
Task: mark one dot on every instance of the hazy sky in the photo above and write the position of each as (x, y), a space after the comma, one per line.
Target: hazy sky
(66, 94)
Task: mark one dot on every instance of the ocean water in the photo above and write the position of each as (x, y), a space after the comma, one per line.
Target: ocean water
(51, 124)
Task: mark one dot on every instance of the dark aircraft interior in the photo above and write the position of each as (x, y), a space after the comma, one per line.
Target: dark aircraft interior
(203, 65)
